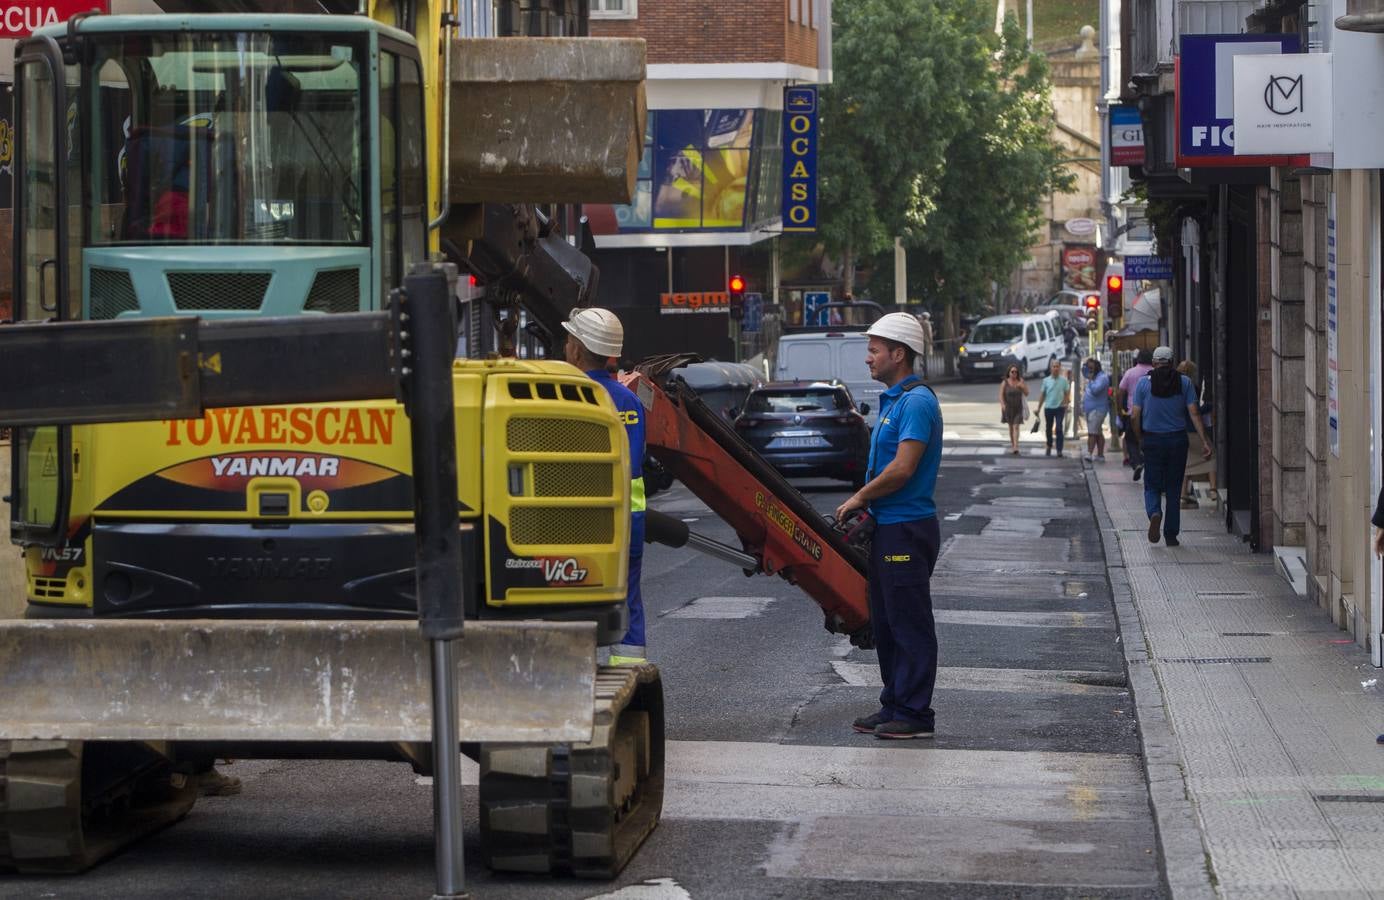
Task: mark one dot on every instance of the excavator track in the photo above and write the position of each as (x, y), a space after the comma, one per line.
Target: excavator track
(65, 805)
(580, 809)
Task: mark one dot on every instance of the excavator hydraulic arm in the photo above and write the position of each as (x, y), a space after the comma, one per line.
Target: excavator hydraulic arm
(776, 524)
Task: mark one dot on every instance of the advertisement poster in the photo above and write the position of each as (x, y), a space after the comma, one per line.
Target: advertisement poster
(1079, 268)
(694, 174)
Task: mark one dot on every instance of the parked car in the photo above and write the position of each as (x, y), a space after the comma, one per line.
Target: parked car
(1070, 305)
(1030, 342)
(811, 429)
(837, 355)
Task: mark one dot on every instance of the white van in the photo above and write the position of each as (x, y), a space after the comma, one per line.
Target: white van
(831, 356)
(1030, 342)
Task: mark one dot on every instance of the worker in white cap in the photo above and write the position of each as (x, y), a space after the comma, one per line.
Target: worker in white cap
(596, 338)
(905, 456)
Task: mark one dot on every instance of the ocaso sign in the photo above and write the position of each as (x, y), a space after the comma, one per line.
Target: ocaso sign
(19, 19)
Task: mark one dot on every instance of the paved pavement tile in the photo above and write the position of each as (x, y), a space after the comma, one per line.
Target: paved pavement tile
(1266, 714)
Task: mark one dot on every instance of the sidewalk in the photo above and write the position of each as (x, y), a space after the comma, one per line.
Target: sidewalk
(1258, 733)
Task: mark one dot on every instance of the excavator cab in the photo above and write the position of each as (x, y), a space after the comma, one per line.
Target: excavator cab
(218, 166)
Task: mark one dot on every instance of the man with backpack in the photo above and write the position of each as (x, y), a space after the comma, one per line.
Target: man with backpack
(1164, 401)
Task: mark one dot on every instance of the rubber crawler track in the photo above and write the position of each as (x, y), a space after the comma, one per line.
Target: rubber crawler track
(47, 826)
(580, 809)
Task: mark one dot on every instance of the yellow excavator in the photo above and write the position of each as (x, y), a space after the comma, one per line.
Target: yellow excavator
(242, 584)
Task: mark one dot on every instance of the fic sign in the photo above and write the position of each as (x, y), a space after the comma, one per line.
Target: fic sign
(21, 18)
(1206, 97)
(800, 158)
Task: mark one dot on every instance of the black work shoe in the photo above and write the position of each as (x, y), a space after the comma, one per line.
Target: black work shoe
(902, 731)
(1138, 470)
(868, 724)
(1155, 527)
(1172, 542)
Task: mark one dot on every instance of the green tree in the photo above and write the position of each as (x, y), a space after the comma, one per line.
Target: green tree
(898, 99)
(939, 131)
(998, 172)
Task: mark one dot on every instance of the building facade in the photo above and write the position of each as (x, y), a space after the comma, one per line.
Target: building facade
(1278, 290)
(710, 179)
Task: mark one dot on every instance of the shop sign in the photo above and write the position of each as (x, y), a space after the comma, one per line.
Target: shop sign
(800, 158)
(1079, 268)
(1206, 126)
(1283, 103)
(1333, 363)
(694, 302)
(21, 18)
(1126, 136)
(1148, 268)
(1081, 227)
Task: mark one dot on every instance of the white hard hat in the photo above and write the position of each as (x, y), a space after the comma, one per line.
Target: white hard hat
(900, 327)
(597, 329)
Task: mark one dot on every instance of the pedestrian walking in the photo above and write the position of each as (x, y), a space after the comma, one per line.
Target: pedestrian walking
(925, 322)
(1143, 364)
(905, 456)
(1013, 405)
(1163, 401)
(1196, 466)
(1054, 397)
(595, 340)
(1095, 405)
(1069, 337)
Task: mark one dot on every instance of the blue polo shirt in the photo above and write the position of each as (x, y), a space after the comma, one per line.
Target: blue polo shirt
(907, 416)
(1162, 415)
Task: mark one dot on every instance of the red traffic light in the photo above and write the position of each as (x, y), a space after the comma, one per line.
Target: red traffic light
(1113, 283)
(1092, 301)
(737, 284)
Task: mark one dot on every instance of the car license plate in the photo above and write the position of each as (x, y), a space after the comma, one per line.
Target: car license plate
(797, 440)
(984, 365)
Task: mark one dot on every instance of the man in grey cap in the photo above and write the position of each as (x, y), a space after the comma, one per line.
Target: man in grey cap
(1164, 402)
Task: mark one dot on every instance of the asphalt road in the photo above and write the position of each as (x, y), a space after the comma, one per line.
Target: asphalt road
(1033, 785)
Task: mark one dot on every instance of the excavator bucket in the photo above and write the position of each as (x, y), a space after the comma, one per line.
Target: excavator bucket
(229, 680)
(546, 120)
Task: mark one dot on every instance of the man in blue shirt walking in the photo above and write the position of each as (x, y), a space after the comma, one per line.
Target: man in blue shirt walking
(1164, 401)
(905, 455)
(596, 338)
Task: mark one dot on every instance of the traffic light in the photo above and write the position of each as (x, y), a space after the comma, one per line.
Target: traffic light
(1114, 292)
(1092, 303)
(737, 296)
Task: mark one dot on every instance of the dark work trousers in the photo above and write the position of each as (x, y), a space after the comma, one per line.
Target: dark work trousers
(901, 561)
(1053, 418)
(1165, 462)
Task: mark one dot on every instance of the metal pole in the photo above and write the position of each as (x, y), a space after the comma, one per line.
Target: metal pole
(447, 820)
(425, 327)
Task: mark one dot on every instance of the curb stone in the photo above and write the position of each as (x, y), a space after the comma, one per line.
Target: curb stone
(1186, 861)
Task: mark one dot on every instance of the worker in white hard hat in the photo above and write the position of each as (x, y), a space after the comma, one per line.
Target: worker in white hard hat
(905, 456)
(595, 340)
